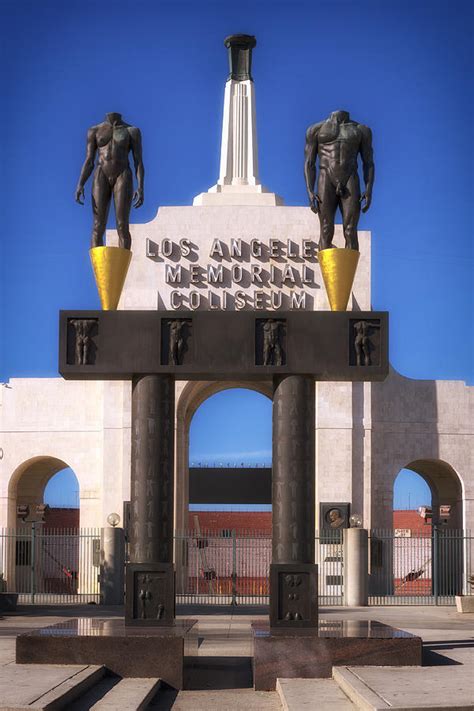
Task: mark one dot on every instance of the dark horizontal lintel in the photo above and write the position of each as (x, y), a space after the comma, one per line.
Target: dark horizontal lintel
(221, 345)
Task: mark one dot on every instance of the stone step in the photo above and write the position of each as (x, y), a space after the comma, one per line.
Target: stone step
(361, 694)
(309, 694)
(129, 695)
(406, 688)
(63, 694)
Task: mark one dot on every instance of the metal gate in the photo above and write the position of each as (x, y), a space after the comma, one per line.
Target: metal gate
(413, 568)
(52, 566)
(232, 568)
(330, 559)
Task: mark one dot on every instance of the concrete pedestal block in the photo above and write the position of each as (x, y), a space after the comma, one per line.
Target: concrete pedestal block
(465, 603)
(312, 653)
(8, 602)
(165, 653)
(356, 567)
(112, 566)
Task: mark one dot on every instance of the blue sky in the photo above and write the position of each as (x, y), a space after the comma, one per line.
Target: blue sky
(404, 68)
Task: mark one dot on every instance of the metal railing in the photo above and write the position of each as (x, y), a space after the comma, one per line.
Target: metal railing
(232, 567)
(50, 566)
(223, 568)
(419, 568)
(330, 559)
(229, 567)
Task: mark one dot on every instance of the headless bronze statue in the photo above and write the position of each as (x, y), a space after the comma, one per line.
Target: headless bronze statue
(272, 351)
(112, 140)
(337, 142)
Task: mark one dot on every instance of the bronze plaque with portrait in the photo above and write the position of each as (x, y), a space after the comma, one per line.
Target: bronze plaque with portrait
(333, 518)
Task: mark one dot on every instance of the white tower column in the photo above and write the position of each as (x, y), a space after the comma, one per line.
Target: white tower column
(238, 182)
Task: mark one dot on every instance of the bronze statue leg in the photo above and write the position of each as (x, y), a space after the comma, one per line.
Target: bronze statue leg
(101, 196)
(366, 349)
(179, 351)
(266, 354)
(123, 194)
(327, 209)
(278, 355)
(350, 208)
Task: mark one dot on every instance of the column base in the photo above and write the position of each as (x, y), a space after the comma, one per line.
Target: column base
(256, 195)
(150, 594)
(168, 653)
(293, 595)
(312, 653)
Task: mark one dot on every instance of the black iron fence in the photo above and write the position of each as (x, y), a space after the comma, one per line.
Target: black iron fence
(419, 568)
(232, 568)
(50, 566)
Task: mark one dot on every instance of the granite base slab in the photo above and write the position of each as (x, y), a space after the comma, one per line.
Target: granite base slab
(8, 602)
(159, 652)
(311, 653)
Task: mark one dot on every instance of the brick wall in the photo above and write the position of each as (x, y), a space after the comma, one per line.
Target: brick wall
(262, 521)
(61, 518)
(411, 520)
(218, 521)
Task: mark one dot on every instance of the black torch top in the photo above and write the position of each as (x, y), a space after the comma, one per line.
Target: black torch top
(240, 56)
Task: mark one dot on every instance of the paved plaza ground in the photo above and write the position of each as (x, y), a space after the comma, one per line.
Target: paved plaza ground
(222, 678)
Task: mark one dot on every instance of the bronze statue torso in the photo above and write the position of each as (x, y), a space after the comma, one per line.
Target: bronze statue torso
(271, 333)
(114, 145)
(336, 144)
(111, 141)
(338, 147)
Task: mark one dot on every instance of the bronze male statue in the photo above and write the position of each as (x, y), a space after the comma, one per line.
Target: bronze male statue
(337, 142)
(272, 350)
(362, 342)
(177, 341)
(83, 328)
(112, 140)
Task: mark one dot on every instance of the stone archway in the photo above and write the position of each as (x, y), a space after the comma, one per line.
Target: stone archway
(29, 553)
(446, 488)
(28, 482)
(448, 543)
(189, 396)
(446, 539)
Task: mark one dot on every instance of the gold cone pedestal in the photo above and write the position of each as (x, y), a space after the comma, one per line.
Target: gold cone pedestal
(110, 265)
(338, 267)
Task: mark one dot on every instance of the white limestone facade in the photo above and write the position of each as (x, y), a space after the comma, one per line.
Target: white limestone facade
(212, 254)
(365, 433)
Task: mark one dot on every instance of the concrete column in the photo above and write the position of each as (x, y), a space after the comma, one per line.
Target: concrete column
(112, 566)
(293, 574)
(152, 491)
(356, 567)
(293, 486)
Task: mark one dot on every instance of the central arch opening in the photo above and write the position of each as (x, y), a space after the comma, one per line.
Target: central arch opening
(229, 514)
(230, 453)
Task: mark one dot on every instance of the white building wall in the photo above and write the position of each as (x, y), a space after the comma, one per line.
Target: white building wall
(50, 417)
(365, 433)
(87, 425)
